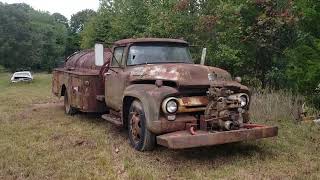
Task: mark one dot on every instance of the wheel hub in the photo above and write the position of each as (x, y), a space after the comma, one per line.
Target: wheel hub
(135, 126)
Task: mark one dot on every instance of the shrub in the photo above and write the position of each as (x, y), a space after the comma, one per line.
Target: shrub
(273, 105)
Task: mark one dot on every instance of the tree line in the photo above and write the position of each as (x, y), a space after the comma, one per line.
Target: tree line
(37, 40)
(270, 43)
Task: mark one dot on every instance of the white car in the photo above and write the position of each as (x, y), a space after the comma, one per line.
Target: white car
(23, 76)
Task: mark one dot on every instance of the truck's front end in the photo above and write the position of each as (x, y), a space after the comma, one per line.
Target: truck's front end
(188, 105)
(220, 116)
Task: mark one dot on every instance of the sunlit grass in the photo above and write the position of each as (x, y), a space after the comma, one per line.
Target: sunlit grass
(41, 142)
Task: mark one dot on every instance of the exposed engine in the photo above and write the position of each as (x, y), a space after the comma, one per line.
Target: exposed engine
(226, 109)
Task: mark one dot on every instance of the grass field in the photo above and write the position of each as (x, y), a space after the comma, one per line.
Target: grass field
(38, 141)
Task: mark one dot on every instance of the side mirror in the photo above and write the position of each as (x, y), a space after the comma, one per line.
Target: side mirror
(98, 50)
(203, 57)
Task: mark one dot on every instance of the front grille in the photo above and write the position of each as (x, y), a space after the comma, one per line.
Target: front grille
(193, 91)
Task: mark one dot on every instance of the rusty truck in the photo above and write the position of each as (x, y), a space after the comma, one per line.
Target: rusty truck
(152, 87)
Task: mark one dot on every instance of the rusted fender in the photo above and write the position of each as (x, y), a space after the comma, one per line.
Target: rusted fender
(151, 98)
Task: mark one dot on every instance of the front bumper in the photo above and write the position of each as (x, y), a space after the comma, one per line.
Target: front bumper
(184, 139)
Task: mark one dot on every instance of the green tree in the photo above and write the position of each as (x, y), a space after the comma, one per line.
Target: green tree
(29, 38)
(79, 19)
(96, 30)
(269, 29)
(59, 18)
(304, 57)
(77, 24)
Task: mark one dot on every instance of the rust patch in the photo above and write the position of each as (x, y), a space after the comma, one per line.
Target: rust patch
(182, 74)
(192, 104)
(183, 139)
(179, 124)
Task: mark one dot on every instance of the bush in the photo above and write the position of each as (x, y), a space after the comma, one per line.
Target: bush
(2, 69)
(273, 105)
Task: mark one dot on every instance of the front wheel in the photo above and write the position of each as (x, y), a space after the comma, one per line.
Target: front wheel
(140, 137)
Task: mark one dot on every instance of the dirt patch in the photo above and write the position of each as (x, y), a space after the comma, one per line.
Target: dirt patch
(56, 137)
(57, 104)
(67, 141)
(85, 143)
(37, 107)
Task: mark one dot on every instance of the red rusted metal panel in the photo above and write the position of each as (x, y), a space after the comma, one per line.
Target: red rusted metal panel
(185, 75)
(193, 104)
(179, 124)
(55, 83)
(84, 61)
(81, 78)
(184, 139)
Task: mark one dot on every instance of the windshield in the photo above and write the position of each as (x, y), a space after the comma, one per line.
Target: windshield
(162, 53)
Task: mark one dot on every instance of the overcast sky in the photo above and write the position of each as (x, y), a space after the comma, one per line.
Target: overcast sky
(65, 7)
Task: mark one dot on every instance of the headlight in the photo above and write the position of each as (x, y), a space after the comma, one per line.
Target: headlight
(170, 105)
(244, 101)
(238, 79)
(212, 76)
(242, 98)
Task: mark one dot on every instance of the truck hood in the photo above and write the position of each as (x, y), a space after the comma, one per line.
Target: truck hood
(182, 74)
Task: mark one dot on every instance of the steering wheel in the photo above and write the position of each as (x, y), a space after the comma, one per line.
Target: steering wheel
(104, 69)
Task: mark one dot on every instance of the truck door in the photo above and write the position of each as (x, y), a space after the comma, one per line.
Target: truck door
(115, 81)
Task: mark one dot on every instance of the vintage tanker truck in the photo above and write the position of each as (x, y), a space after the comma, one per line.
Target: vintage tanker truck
(152, 87)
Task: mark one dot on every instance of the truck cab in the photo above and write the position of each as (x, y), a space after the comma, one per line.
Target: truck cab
(152, 87)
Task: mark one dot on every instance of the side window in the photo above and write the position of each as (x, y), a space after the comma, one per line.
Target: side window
(118, 54)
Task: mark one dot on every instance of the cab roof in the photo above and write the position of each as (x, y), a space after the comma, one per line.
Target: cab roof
(144, 40)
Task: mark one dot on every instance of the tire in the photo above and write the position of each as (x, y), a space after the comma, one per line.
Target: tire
(69, 110)
(140, 137)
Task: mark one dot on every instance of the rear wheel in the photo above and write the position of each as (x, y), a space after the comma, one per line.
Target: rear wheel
(67, 106)
(140, 137)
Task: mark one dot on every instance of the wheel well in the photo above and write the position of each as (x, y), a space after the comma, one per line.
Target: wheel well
(127, 101)
(63, 90)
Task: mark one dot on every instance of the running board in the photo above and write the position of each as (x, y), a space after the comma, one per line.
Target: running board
(112, 119)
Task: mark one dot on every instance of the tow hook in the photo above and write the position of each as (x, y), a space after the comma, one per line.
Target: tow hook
(192, 130)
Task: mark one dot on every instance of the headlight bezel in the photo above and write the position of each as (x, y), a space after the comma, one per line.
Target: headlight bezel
(246, 101)
(165, 104)
(238, 97)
